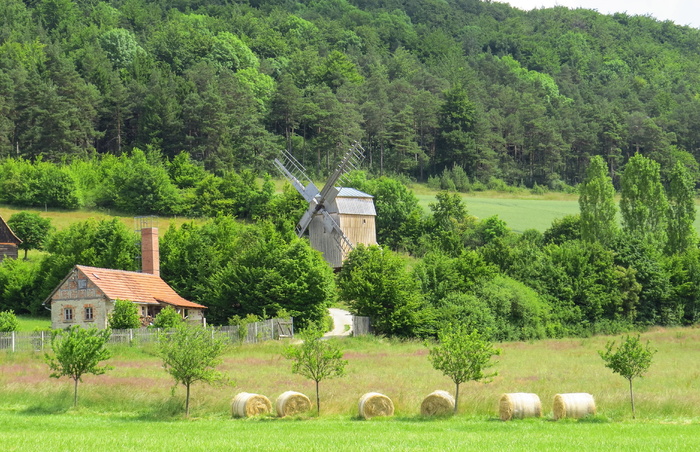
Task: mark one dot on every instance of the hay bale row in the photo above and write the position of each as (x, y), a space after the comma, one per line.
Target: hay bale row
(438, 403)
(519, 405)
(374, 404)
(246, 405)
(574, 405)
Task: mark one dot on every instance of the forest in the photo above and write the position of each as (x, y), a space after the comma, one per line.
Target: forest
(520, 97)
(177, 107)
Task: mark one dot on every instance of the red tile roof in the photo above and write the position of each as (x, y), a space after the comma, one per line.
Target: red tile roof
(142, 288)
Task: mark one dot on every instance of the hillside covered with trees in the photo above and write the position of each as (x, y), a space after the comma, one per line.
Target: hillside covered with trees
(525, 97)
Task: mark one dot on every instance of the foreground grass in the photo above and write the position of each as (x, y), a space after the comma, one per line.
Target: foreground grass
(77, 431)
(136, 405)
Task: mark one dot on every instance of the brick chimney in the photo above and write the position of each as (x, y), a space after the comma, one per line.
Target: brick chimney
(150, 255)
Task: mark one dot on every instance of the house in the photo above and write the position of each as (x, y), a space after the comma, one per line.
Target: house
(87, 295)
(8, 241)
(355, 215)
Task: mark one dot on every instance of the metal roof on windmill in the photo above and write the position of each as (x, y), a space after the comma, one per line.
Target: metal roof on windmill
(338, 218)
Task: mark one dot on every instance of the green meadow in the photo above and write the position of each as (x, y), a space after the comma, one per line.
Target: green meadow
(520, 210)
(134, 406)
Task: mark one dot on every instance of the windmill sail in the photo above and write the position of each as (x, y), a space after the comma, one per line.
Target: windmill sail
(294, 172)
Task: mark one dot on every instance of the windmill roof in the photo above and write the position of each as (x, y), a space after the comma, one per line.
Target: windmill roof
(355, 205)
(142, 288)
(346, 192)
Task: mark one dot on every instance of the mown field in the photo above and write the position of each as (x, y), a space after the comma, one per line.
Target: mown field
(520, 210)
(135, 406)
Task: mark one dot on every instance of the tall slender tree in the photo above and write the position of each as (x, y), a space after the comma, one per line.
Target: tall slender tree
(681, 211)
(597, 204)
(643, 203)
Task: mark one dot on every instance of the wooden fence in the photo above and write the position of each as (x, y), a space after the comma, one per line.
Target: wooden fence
(253, 332)
(361, 326)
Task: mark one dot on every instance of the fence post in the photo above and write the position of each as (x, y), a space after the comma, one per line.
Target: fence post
(42, 341)
(13, 341)
(131, 335)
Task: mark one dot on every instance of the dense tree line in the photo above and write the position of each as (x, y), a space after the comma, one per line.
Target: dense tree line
(509, 96)
(586, 273)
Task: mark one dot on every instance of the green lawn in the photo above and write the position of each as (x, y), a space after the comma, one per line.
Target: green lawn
(31, 431)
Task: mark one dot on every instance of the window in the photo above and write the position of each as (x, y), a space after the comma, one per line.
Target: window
(88, 313)
(68, 315)
(82, 284)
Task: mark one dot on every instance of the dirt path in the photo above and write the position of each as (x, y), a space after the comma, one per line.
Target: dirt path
(342, 322)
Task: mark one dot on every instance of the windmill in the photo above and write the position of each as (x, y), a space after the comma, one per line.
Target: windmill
(337, 218)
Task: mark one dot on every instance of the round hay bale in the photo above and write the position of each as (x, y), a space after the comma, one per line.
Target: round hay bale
(575, 405)
(246, 405)
(290, 403)
(374, 404)
(519, 405)
(438, 403)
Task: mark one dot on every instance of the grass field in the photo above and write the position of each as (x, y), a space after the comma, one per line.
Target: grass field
(133, 406)
(520, 210)
(61, 219)
(29, 324)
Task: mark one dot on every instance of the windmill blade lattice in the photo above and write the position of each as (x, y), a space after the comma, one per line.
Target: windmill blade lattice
(294, 172)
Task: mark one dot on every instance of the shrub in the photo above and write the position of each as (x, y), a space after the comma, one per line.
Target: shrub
(167, 318)
(124, 316)
(520, 312)
(538, 189)
(8, 321)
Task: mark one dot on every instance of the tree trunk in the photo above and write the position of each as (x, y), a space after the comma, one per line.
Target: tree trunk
(632, 399)
(456, 397)
(187, 401)
(75, 392)
(318, 402)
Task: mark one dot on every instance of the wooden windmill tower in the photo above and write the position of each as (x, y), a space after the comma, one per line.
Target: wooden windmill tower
(337, 218)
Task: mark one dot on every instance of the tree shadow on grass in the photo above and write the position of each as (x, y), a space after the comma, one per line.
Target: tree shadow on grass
(49, 407)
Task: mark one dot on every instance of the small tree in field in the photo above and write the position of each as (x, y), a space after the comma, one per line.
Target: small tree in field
(190, 354)
(8, 321)
(78, 351)
(167, 318)
(631, 360)
(316, 359)
(125, 316)
(462, 356)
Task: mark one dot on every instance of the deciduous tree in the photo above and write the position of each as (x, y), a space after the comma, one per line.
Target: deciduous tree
(630, 359)
(375, 283)
(463, 356)
(191, 354)
(597, 203)
(643, 202)
(681, 212)
(316, 359)
(78, 351)
(31, 228)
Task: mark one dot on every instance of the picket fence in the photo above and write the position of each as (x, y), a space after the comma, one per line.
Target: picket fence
(265, 330)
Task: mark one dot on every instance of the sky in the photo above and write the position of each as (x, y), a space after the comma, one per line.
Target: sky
(682, 12)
